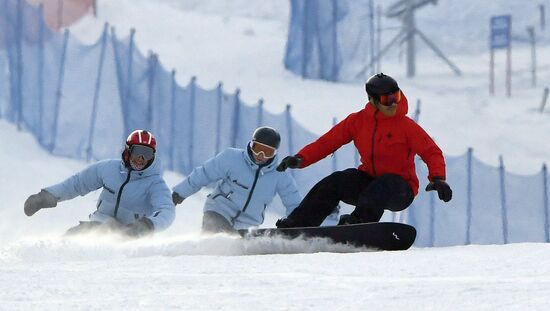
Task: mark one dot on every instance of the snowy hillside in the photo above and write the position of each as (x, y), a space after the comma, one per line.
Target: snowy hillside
(242, 43)
(180, 270)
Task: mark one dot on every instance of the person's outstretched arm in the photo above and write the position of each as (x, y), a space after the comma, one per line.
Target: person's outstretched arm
(212, 170)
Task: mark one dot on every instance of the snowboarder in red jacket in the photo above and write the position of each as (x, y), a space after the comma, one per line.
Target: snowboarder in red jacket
(387, 141)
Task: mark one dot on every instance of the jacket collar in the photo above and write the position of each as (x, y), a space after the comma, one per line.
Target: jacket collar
(154, 169)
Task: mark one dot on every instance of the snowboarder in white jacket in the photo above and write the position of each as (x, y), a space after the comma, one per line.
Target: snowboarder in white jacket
(247, 182)
(135, 199)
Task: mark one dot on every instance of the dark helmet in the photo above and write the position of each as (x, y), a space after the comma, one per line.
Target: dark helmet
(380, 84)
(268, 136)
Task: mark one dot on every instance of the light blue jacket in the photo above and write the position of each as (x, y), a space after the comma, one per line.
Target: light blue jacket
(243, 189)
(139, 193)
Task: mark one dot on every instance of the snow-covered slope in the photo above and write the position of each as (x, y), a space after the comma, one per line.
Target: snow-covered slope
(242, 43)
(179, 269)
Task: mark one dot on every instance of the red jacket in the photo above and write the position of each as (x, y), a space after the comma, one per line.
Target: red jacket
(386, 145)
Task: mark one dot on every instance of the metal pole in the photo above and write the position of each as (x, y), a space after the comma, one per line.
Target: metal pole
(532, 39)
(334, 69)
(378, 37)
(492, 72)
(417, 111)
(96, 93)
(219, 117)
(59, 91)
(504, 211)
(260, 112)
(509, 63)
(469, 197)
(173, 120)
(542, 17)
(118, 65)
(153, 61)
(544, 98)
(236, 119)
(192, 103)
(129, 76)
(411, 47)
(19, 64)
(438, 52)
(545, 202)
(305, 37)
(40, 76)
(371, 33)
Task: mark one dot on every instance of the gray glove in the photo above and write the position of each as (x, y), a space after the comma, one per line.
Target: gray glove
(35, 202)
(176, 198)
(141, 227)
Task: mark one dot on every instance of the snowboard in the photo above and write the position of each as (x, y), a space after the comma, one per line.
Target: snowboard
(389, 236)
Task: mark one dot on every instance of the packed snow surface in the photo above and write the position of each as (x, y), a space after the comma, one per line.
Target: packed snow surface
(242, 43)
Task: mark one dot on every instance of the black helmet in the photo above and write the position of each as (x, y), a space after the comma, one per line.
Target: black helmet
(380, 84)
(268, 136)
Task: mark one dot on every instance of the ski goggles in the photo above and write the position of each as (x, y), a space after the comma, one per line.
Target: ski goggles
(259, 148)
(146, 152)
(390, 99)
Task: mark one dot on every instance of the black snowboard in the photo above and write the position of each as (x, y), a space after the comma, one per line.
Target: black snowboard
(388, 236)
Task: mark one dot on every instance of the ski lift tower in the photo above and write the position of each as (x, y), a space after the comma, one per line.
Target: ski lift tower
(405, 10)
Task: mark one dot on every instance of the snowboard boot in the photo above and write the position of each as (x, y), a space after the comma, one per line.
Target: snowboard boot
(349, 219)
(287, 223)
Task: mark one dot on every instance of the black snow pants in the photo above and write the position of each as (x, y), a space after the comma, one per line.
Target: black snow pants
(370, 196)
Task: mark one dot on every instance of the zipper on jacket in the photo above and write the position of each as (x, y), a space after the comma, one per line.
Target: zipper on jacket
(373, 140)
(249, 195)
(120, 192)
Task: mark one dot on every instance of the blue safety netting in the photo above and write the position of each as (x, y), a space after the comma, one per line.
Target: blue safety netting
(81, 101)
(330, 40)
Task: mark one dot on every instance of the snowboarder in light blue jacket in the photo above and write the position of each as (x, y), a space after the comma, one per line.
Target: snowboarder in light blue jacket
(134, 200)
(246, 183)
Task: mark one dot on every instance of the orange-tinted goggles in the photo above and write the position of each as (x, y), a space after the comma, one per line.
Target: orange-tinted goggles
(259, 148)
(390, 99)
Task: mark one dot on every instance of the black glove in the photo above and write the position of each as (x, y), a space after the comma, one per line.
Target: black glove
(141, 227)
(443, 189)
(290, 162)
(35, 202)
(176, 198)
